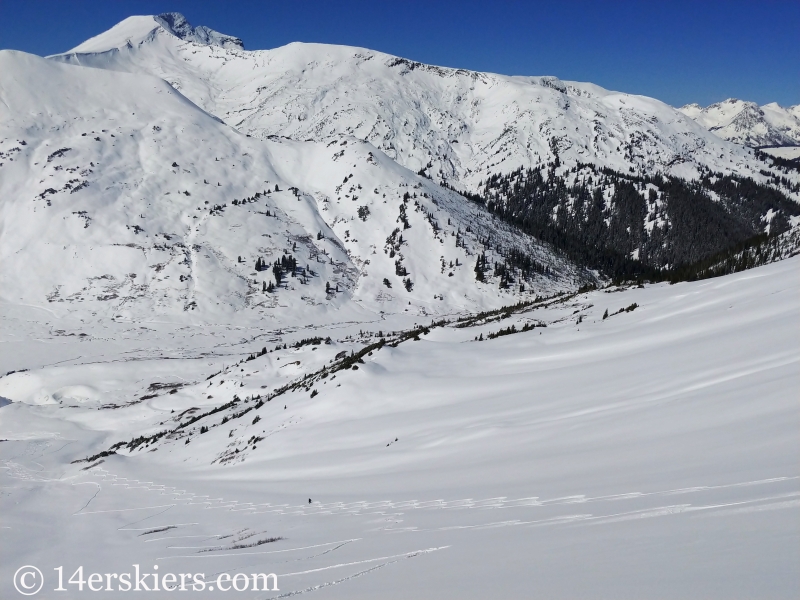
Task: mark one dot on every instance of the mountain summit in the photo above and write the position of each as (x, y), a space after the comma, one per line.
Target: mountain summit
(135, 30)
(376, 327)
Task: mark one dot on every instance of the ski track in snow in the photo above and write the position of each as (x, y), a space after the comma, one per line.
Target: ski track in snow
(369, 508)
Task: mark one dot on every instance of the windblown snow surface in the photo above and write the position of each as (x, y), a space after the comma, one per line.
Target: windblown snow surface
(363, 431)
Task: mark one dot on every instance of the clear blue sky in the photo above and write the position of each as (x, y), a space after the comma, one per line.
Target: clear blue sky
(699, 51)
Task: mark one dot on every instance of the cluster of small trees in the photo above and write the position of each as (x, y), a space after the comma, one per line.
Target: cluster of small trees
(629, 308)
(505, 273)
(287, 264)
(403, 217)
(262, 352)
(249, 199)
(313, 341)
(432, 220)
(394, 241)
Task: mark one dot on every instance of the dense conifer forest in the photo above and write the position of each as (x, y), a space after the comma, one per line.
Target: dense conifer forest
(655, 227)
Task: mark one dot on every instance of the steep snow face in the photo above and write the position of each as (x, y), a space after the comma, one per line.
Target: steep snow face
(123, 199)
(749, 124)
(135, 30)
(454, 125)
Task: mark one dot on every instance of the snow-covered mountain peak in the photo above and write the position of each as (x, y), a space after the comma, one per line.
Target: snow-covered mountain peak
(182, 177)
(264, 255)
(137, 29)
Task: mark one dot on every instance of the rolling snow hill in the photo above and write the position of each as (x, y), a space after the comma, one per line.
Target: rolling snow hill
(454, 125)
(748, 123)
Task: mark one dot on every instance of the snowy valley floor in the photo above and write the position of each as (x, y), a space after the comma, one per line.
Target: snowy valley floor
(652, 454)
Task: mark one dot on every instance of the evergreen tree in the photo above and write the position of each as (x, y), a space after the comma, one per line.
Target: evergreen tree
(480, 267)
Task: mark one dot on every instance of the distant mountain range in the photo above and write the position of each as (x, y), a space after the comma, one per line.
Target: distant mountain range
(748, 123)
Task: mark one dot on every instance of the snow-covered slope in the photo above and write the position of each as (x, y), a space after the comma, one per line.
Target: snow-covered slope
(122, 198)
(654, 452)
(456, 125)
(748, 123)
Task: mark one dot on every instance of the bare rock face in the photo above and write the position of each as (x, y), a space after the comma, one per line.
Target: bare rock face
(177, 24)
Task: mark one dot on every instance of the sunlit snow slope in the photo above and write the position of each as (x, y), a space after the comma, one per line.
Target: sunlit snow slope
(652, 453)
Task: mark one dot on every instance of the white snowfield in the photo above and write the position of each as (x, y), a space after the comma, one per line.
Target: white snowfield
(460, 126)
(748, 123)
(651, 454)
(380, 424)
